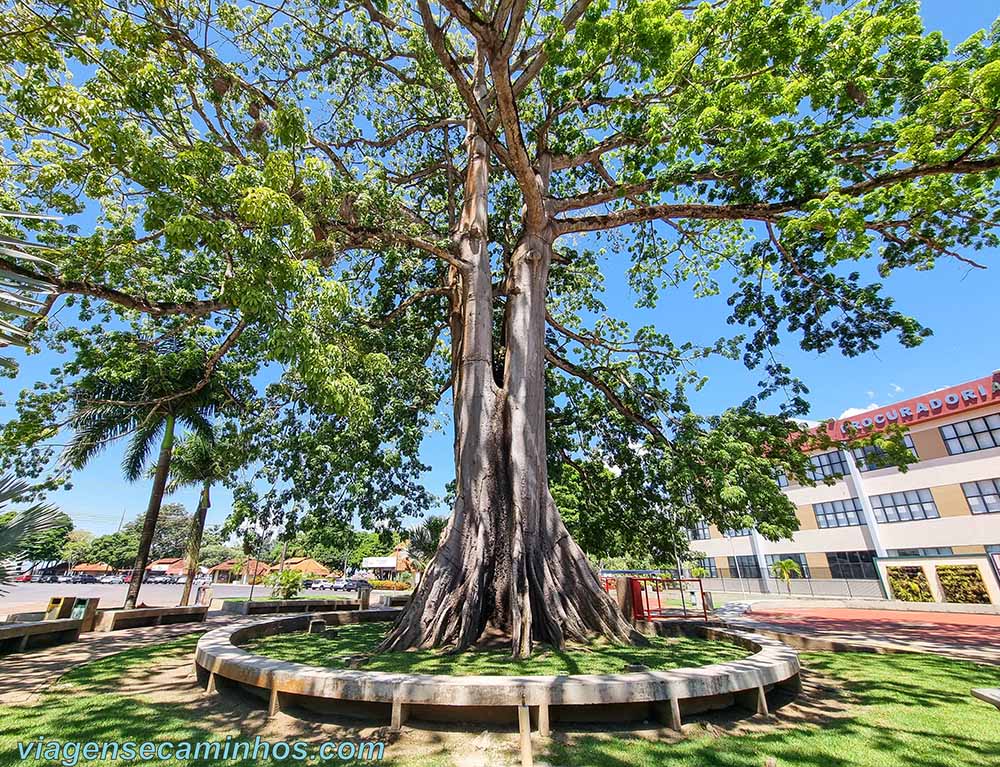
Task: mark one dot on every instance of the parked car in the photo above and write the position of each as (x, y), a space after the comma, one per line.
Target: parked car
(111, 579)
(350, 584)
(46, 579)
(83, 578)
(64, 579)
(23, 578)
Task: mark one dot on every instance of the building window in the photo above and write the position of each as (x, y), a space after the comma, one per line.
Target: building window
(940, 551)
(798, 558)
(830, 464)
(975, 434)
(856, 565)
(736, 533)
(781, 478)
(699, 531)
(983, 496)
(869, 457)
(905, 506)
(708, 565)
(744, 566)
(839, 513)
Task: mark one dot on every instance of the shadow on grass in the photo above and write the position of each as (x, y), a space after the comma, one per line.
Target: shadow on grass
(912, 710)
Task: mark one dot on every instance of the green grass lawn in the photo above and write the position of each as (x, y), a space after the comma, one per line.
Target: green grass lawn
(903, 711)
(596, 658)
(908, 710)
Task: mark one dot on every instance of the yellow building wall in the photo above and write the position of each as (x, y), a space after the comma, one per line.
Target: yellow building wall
(928, 444)
(807, 517)
(950, 501)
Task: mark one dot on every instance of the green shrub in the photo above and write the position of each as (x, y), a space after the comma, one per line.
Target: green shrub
(909, 584)
(963, 583)
(285, 584)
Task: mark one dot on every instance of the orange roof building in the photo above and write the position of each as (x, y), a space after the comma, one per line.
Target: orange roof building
(92, 568)
(306, 566)
(239, 571)
(167, 566)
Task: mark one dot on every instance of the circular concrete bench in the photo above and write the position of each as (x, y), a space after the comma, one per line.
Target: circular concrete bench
(580, 697)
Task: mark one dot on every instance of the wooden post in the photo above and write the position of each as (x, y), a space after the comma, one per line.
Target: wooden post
(543, 720)
(524, 728)
(274, 704)
(753, 700)
(399, 713)
(668, 713)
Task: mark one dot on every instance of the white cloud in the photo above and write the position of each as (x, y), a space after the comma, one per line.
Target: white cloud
(871, 394)
(895, 388)
(853, 411)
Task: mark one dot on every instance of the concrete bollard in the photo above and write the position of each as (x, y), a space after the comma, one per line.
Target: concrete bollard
(317, 626)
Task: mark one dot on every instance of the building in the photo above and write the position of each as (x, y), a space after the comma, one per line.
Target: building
(167, 566)
(389, 567)
(308, 566)
(946, 505)
(92, 568)
(248, 570)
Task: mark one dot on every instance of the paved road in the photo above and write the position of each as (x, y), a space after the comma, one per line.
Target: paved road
(25, 597)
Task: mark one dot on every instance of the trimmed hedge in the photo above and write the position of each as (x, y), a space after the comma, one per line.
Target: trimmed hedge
(909, 584)
(963, 584)
(390, 585)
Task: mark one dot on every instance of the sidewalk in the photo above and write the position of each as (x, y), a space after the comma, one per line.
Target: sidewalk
(957, 635)
(25, 675)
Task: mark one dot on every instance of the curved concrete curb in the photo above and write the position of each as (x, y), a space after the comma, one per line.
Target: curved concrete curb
(744, 682)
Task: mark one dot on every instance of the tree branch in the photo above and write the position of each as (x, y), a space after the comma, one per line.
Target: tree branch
(616, 402)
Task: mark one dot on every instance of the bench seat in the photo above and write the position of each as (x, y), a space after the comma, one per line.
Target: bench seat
(16, 637)
(115, 620)
(988, 695)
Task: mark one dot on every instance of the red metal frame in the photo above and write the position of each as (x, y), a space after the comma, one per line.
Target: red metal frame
(642, 608)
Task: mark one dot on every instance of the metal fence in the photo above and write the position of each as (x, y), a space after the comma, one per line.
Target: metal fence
(797, 587)
(816, 582)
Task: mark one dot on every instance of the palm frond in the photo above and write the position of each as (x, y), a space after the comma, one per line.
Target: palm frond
(13, 284)
(25, 523)
(139, 447)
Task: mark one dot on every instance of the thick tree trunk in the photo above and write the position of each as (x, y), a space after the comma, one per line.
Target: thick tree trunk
(152, 512)
(506, 566)
(194, 539)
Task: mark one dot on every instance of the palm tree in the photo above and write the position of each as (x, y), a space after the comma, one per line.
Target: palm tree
(198, 460)
(424, 540)
(16, 527)
(17, 286)
(165, 386)
(786, 569)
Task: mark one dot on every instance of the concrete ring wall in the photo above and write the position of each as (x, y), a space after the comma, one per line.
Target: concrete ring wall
(580, 697)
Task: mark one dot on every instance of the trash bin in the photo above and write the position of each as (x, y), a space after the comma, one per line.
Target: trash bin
(85, 609)
(59, 607)
(693, 598)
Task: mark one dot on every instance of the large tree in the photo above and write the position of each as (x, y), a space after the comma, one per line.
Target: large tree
(390, 201)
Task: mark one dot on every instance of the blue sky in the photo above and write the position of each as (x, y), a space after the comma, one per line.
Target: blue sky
(956, 302)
